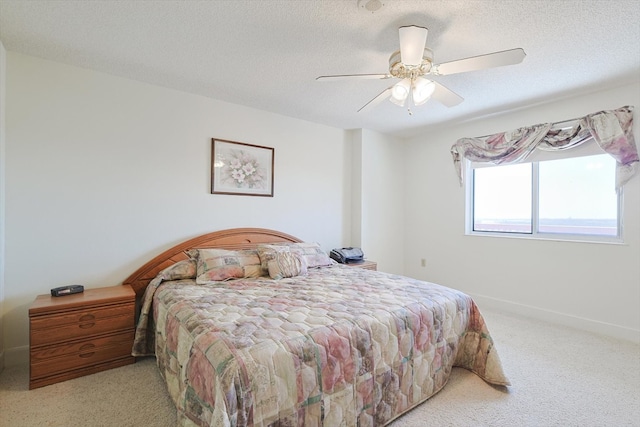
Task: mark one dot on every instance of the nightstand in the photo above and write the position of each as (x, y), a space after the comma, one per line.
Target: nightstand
(366, 264)
(80, 334)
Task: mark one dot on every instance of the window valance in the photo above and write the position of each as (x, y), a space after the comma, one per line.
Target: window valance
(611, 130)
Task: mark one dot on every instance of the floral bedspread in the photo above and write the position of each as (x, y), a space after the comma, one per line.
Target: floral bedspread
(340, 346)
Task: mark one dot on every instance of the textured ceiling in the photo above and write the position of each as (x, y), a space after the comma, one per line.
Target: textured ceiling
(267, 54)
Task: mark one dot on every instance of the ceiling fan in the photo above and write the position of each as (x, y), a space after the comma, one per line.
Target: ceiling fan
(414, 61)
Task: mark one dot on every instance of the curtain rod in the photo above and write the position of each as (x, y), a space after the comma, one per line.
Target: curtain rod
(628, 108)
(554, 124)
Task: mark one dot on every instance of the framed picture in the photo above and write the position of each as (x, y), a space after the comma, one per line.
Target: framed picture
(242, 169)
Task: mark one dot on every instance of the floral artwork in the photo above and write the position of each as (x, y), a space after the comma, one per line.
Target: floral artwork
(243, 169)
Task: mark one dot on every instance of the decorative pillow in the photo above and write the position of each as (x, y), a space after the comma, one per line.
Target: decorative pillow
(214, 265)
(268, 253)
(312, 253)
(286, 264)
(185, 269)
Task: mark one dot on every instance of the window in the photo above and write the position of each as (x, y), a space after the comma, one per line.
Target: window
(570, 198)
(502, 198)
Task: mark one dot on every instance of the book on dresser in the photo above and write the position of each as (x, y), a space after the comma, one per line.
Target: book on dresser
(80, 334)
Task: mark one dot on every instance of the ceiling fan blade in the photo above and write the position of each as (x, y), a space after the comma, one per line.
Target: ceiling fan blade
(354, 76)
(377, 100)
(446, 96)
(490, 60)
(412, 42)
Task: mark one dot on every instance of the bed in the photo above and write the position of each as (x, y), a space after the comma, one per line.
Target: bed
(253, 327)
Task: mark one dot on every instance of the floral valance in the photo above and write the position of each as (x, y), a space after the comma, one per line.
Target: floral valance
(611, 130)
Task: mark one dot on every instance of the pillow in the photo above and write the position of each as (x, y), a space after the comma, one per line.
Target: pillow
(214, 265)
(312, 253)
(185, 269)
(286, 264)
(268, 253)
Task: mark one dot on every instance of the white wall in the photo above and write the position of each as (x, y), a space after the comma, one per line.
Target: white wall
(381, 225)
(591, 286)
(104, 173)
(3, 69)
(377, 198)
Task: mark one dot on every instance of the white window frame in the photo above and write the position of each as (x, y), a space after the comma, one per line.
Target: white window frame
(588, 148)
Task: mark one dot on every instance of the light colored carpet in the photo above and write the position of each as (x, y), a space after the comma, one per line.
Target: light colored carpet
(561, 377)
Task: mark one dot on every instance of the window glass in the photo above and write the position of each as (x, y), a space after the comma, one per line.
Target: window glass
(502, 199)
(577, 196)
(567, 198)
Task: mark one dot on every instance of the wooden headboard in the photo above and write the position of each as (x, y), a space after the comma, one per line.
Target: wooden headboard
(234, 238)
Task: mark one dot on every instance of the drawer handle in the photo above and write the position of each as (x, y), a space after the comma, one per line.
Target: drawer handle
(86, 325)
(85, 348)
(87, 317)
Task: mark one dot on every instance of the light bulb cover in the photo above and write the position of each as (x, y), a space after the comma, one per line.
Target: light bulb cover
(422, 90)
(400, 92)
(412, 44)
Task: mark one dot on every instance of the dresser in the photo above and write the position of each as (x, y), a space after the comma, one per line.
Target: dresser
(80, 334)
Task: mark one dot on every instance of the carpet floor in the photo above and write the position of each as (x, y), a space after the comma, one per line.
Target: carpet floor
(560, 376)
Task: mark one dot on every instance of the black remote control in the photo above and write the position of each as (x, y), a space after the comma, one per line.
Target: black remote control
(67, 290)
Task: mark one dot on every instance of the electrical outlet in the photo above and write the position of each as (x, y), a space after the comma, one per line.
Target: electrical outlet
(423, 262)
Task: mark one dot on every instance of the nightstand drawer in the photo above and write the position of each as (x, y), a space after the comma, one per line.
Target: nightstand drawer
(54, 328)
(54, 359)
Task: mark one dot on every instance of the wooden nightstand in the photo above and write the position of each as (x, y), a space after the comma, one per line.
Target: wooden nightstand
(366, 264)
(80, 334)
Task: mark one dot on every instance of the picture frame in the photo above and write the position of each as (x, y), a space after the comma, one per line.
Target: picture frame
(241, 169)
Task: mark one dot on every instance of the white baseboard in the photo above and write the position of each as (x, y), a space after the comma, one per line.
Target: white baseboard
(17, 356)
(594, 326)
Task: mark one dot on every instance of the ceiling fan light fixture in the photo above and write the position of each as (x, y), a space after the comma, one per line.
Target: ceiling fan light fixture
(412, 44)
(400, 92)
(422, 90)
(401, 70)
(414, 61)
